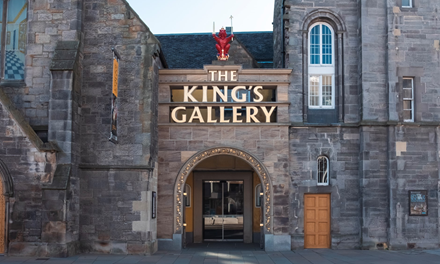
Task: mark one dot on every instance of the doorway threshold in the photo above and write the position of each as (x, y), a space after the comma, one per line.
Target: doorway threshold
(224, 246)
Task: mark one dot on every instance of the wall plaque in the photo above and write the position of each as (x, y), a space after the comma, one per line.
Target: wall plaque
(418, 203)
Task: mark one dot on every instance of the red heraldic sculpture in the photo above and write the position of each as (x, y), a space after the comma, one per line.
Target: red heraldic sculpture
(222, 44)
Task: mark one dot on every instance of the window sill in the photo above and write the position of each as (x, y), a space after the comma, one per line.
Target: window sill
(408, 9)
(321, 108)
(12, 83)
(321, 65)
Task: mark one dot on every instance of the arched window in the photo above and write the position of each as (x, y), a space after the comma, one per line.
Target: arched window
(321, 67)
(323, 169)
(187, 194)
(258, 192)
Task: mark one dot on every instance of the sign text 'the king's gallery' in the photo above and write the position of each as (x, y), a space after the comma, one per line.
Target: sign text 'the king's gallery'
(236, 94)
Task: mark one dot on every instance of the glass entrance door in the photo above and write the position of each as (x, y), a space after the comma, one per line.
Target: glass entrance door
(223, 210)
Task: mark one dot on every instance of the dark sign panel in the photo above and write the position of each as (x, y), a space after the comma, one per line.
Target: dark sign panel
(418, 203)
(153, 205)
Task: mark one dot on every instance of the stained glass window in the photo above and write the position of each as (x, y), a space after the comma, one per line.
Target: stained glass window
(16, 31)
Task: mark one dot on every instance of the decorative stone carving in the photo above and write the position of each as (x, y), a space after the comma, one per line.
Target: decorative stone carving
(200, 156)
(324, 14)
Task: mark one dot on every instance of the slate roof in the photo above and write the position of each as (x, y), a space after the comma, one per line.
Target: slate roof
(194, 50)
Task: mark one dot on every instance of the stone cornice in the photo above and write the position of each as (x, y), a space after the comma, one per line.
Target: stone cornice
(230, 67)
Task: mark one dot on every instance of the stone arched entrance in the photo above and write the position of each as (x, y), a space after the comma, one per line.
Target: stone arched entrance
(192, 162)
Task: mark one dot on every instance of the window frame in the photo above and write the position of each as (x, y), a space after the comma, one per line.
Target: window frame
(408, 99)
(320, 95)
(410, 5)
(320, 45)
(327, 171)
(321, 69)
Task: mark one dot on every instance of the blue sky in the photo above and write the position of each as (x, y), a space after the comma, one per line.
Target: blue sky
(194, 16)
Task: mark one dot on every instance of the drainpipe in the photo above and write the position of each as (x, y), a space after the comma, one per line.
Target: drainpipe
(283, 50)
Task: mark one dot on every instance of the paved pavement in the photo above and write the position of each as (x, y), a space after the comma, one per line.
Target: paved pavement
(228, 254)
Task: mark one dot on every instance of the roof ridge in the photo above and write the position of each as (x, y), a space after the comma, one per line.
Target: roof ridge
(209, 33)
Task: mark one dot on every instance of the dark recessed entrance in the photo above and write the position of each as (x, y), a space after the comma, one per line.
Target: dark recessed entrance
(223, 206)
(222, 198)
(223, 210)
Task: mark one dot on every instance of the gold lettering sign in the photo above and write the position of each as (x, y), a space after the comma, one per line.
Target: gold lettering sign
(232, 102)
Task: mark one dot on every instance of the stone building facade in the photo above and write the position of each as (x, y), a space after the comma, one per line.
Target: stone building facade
(325, 150)
(377, 153)
(68, 188)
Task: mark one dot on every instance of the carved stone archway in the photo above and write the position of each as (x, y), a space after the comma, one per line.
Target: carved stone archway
(257, 165)
(7, 191)
(5, 176)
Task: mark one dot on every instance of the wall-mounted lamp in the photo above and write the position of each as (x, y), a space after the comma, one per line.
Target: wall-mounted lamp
(261, 224)
(185, 193)
(184, 224)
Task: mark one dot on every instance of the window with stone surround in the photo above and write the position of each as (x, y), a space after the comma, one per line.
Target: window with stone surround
(408, 99)
(407, 3)
(323, 169)
(321, 67)
(13, 38)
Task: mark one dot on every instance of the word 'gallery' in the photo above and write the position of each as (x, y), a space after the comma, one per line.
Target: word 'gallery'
(323, 133)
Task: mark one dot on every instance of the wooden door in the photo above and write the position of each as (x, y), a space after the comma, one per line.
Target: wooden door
(317, 221)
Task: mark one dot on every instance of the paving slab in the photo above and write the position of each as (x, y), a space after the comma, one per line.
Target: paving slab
(246, 254)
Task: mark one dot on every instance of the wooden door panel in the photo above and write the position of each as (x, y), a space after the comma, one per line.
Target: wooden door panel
(323, 215)
(310, 215)
(323, 241)
(317, 221)
(310, 240)
(311, 227)
(323, 202)
(310, 201)
(323, 228)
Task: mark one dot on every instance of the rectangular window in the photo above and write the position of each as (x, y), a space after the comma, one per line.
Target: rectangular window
(406, 3)
(14, 31)
(408, 99)
(321, 94)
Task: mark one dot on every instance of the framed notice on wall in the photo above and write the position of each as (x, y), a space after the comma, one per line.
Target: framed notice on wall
(153, 205)
(418, 203)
